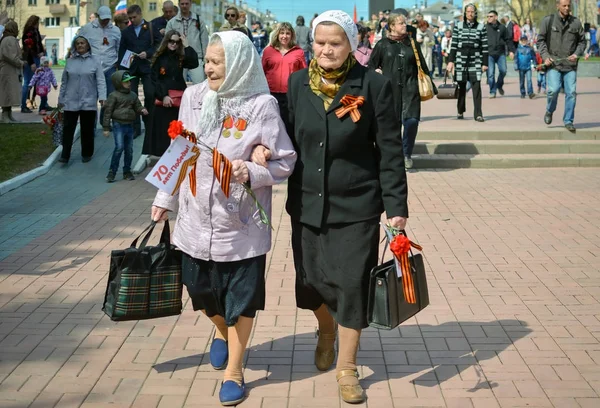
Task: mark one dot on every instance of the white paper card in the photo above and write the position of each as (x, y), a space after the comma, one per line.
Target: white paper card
(128, 58)
(165, 173)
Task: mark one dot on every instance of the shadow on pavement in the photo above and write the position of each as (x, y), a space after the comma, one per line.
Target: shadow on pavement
(433, 353)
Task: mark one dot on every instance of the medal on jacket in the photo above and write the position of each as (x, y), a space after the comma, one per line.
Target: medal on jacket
(239, 124)
(105, 41)
(227, 125)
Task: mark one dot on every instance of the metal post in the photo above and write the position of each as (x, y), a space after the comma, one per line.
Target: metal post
(77, 15)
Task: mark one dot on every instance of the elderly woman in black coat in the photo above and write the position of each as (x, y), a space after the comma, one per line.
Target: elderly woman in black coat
(394, 57)
(350, 170)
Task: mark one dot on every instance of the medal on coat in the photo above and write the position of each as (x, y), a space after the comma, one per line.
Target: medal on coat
(240, 126)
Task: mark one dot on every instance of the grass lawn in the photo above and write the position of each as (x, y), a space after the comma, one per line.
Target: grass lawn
(23, 148)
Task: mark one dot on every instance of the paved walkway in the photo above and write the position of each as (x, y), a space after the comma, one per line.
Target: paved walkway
(513, 262)
(510, 112)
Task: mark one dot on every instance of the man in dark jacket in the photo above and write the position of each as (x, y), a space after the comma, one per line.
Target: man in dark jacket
(499, 41)
(141, 39)
(561, 42)
(160, 23)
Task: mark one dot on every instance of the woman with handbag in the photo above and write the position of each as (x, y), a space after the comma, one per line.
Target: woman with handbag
(173, 56)
(224, 243)
(469, 58)
(350, 169)
(397, 58)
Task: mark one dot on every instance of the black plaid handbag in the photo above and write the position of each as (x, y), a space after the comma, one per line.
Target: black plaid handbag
(144, 282)
(387, 306)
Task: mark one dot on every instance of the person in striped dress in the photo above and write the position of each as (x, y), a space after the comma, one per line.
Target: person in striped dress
(468, 59)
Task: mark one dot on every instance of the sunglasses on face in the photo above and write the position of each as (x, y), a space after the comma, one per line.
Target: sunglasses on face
(231, 15)
(174, 41)
(490, 16)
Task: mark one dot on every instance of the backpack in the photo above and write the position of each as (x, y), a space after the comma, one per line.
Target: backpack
(516, 32)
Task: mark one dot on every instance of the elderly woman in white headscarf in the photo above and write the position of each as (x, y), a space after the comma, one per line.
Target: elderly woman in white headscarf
(223, 240)
(350, 170)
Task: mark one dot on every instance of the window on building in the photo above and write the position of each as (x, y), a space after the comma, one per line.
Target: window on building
(32, 2)
(48, 2)
(72, 2)
(152, 6)
(52, 21)
(72, 21)
(10, 2)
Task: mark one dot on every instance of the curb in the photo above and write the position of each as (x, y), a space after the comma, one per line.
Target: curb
(141, 164)
(31, 175)
(144, 160)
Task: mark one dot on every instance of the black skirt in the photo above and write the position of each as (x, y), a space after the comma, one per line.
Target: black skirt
(157, 140)
(227, 289)
(332, 268)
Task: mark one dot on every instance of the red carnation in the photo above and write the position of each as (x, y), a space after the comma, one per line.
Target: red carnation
(400, 245)
(175, 129)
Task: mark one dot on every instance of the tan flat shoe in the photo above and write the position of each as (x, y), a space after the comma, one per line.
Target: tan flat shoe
(324, 357)
(352, 394)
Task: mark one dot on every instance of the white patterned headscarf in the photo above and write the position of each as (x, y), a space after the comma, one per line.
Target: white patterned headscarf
(244, 77)
(342, 19)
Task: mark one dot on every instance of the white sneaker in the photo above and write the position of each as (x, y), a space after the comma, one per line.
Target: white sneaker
(408, 163)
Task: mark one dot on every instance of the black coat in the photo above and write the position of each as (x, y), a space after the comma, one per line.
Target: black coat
(499, 40)
(346, 172)
(172, 76)
(148, 41)
(397, 62)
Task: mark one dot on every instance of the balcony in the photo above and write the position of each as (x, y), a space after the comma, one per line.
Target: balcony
(58, 9)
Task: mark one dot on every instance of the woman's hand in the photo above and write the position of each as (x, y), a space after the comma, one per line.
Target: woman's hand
(159, 214)
(184, 41)
(450, 67)
(239, 171)
(33, 67)
(397, 222)
(379, 71)
(260, 155)
(167, 102)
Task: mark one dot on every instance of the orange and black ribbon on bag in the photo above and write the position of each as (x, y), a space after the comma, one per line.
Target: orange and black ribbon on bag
(351, 104)
(400, 247)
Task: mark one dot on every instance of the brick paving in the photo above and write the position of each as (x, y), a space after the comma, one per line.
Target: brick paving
(514, 277)
(513, 269)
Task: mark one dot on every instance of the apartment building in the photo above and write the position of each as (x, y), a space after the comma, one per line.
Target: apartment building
(59, 17)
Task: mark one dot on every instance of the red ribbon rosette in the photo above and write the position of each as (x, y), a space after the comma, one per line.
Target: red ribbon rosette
(400, 247)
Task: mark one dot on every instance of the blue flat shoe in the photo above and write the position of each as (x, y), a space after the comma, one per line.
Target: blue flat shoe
(219, 354)
(231, 393)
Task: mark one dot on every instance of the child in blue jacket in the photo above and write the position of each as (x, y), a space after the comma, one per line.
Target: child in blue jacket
(524, 62)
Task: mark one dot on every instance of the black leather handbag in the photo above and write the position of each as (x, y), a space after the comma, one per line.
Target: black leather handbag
(387, 306)
(446, 90)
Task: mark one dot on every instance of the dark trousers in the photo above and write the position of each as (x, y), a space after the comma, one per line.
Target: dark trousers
(462, 98)
(87, 128)
(148, 101)
(283, 109)
(409, 135)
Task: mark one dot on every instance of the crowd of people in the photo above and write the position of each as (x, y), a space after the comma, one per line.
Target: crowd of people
(310, 104)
